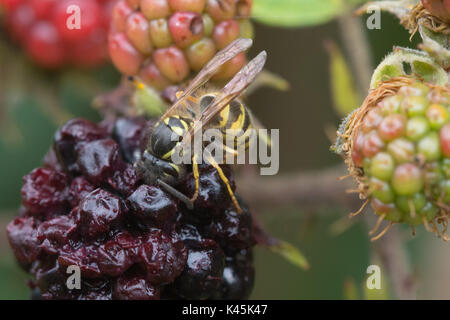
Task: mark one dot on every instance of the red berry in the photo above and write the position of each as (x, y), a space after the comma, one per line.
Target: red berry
(137, 30)
(120, 14)
(200, 53)
(124, 55)
(187, 5)
(44, 45)
(393, 126)
(172, 63)
(221, 10)
(151, 75)
(243, 8)
(186, 28)
(372, 144)
(155, 9)
(134, 4)
(10, 5)
(225, 32)
(90, 52)
(89, 19)
(20, 22)
(42, 8)
(445, 140)
(230, 68)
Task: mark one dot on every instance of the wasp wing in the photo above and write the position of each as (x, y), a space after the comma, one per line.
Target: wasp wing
(226, 54)
(256, 123)
(230, 92)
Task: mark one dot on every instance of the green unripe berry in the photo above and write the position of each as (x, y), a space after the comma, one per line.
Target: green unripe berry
(391, 105)
(416, 202)
(416, 128)
(407, 179)
(429, 146)
(416, 89)
(430, 211)
(445, 191)
(381, 190)
(415, 105)
(437, 115)
(382, 166)
(402, 150)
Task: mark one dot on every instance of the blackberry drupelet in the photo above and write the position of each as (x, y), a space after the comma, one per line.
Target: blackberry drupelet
(87, 207)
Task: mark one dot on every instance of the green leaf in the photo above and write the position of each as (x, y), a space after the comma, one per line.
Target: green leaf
(290, 253)
(299, 13)
(344, 93)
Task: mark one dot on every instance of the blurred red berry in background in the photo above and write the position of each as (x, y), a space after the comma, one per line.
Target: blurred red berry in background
(54, 33)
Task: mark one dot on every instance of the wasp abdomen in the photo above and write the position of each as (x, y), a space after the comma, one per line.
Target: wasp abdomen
(167, 135)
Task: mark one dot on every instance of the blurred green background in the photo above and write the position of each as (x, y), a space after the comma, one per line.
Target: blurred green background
(35, 103)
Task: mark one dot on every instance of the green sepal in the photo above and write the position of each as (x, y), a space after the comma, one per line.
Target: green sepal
(148, 101)
(437, 45)
(420, 63)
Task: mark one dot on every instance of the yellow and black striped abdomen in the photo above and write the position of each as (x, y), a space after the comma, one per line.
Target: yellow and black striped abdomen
(167, 135)
(235, 122)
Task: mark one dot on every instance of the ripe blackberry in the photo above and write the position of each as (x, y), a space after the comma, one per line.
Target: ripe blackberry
(164, 41)
(397, 147)
(87, 207)
(41, 28)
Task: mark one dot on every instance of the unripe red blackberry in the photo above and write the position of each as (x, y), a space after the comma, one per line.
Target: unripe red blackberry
(88, 207)
(438, 8)
(177, 38)
(396, 146)
(41, 27)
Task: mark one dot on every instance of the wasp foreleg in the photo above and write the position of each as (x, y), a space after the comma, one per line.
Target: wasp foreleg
(216, 166)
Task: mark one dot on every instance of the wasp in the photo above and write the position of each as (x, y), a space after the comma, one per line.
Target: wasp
(195, 110)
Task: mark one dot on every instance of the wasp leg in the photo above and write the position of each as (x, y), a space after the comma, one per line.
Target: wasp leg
(177, 194)
(196, 177)
(216, 166)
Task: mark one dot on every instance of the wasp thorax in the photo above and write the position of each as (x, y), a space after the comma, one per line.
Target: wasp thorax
(398, 148)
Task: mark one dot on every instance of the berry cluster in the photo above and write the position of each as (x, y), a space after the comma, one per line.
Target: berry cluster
(42, 28)
(438, 8)
(401, 152)
(86, 207)
(163, 41)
